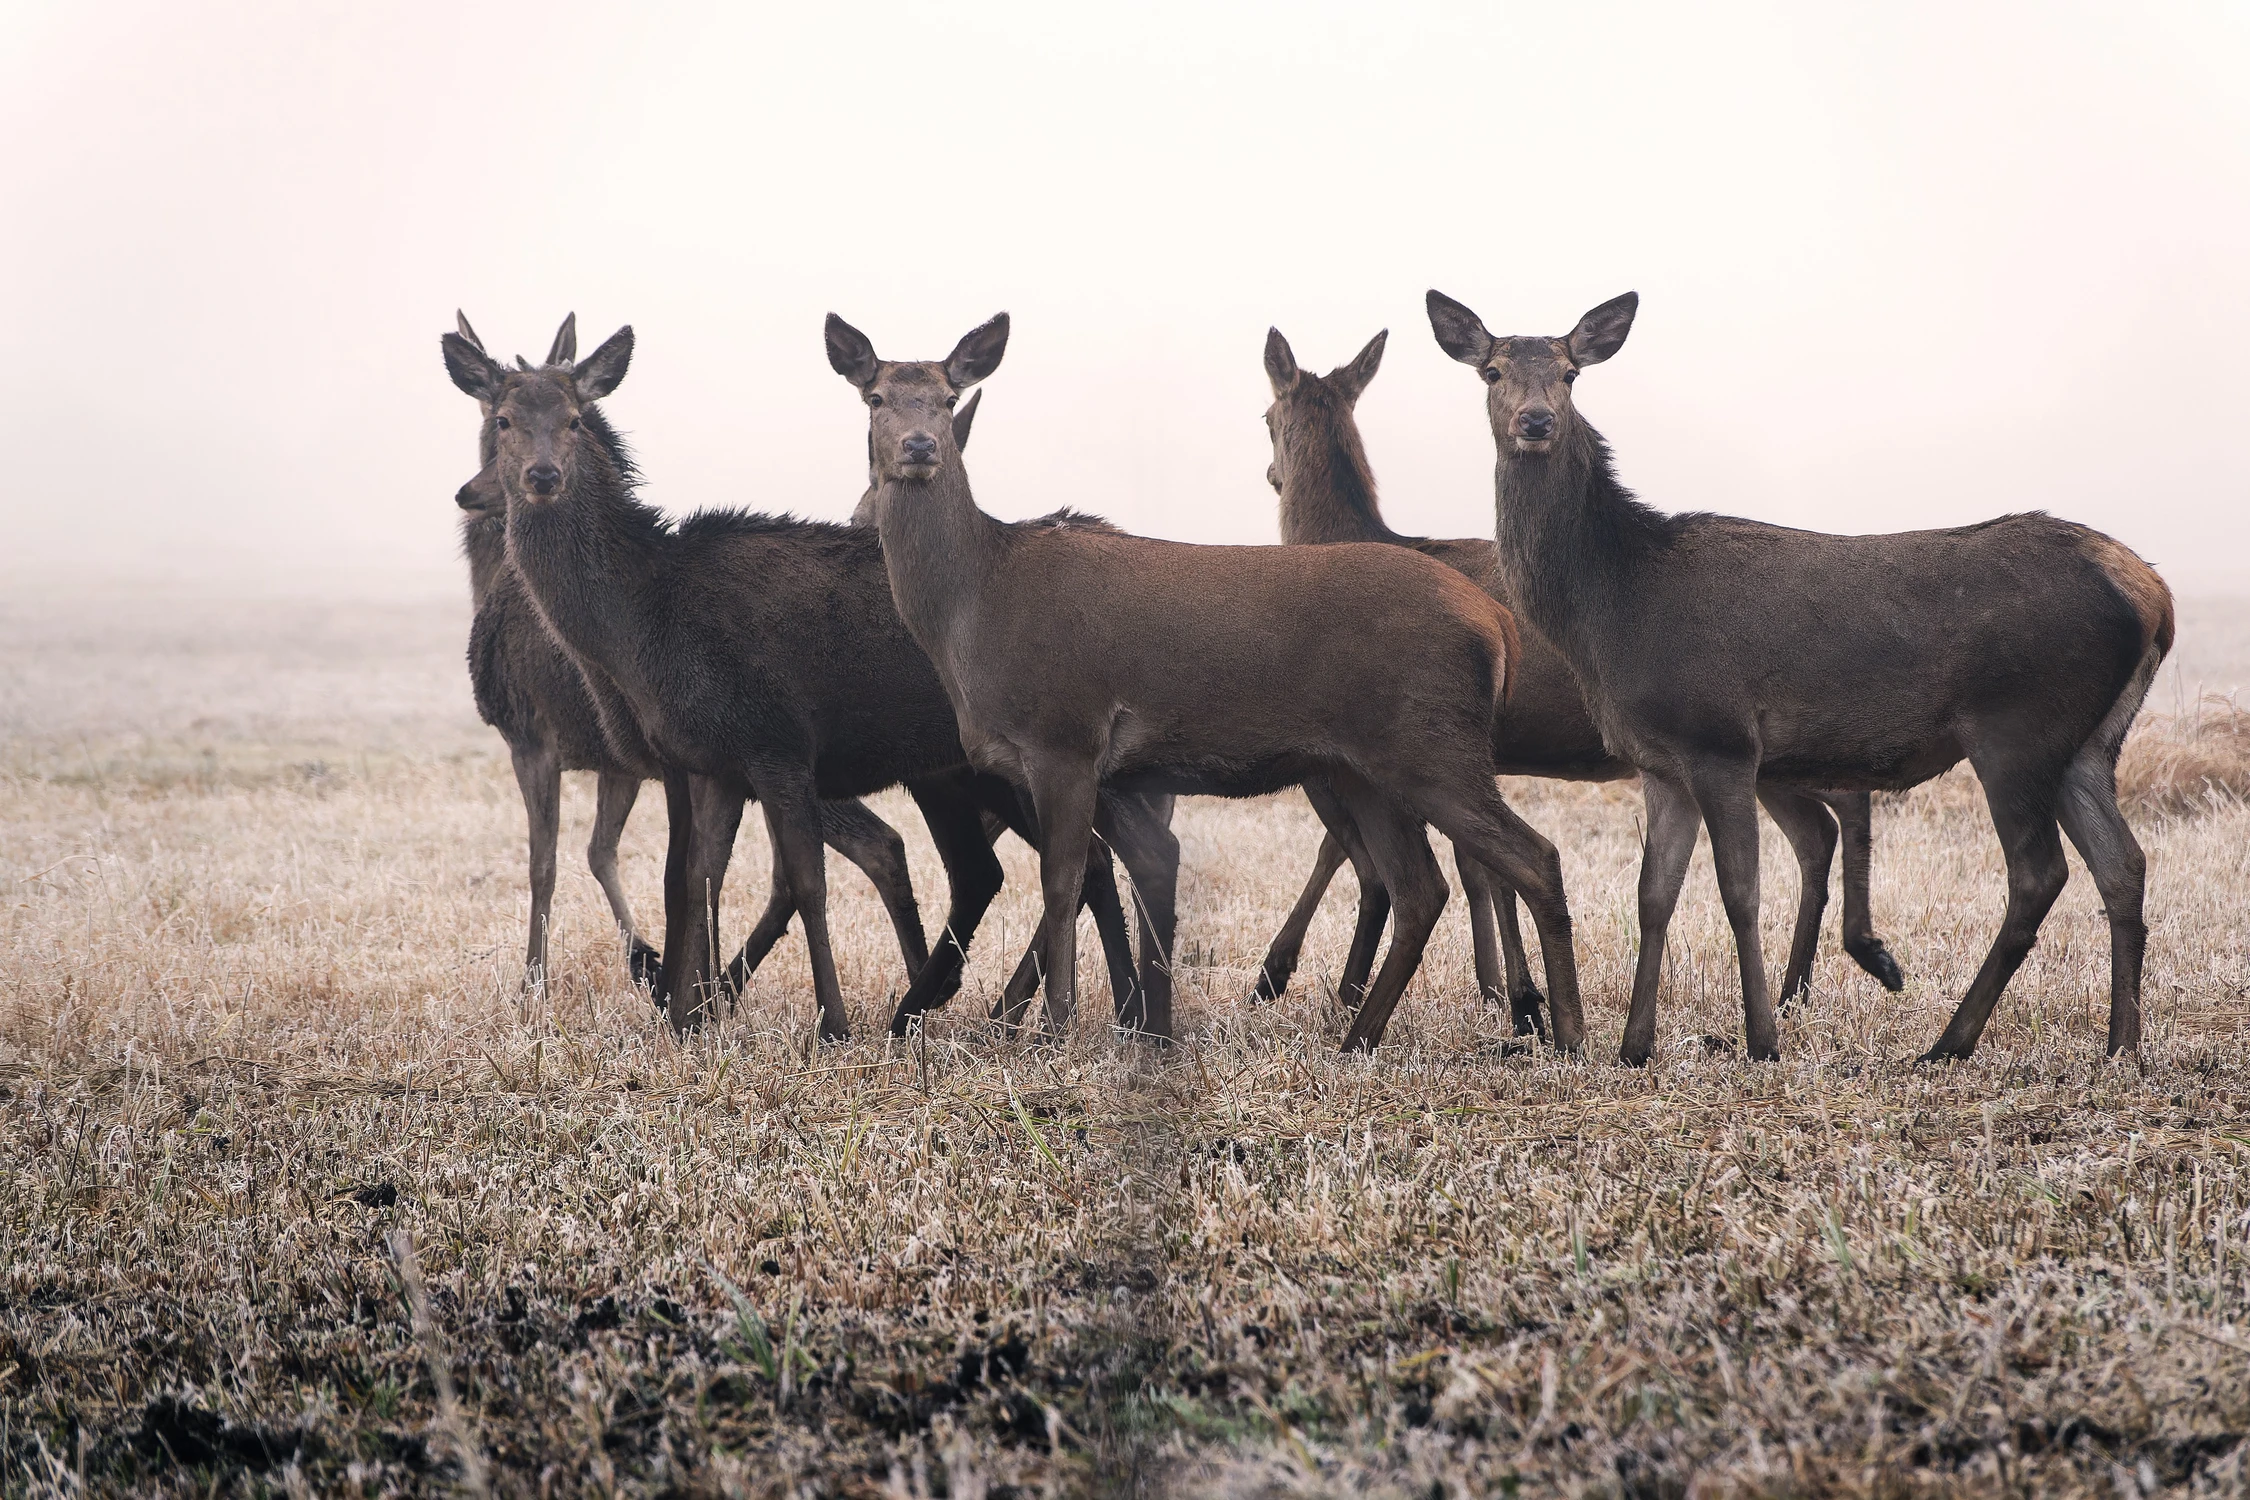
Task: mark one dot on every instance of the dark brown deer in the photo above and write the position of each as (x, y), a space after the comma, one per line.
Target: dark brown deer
(528, 688)
(1327, 492)
(1076, 656)
(751, 655)
(1720, 654)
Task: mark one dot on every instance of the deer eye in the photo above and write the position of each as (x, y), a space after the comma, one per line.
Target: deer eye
(874, 398)
(501, 423)
(1569, 377)
(574, 424)
(951, 402)
(1491, 375)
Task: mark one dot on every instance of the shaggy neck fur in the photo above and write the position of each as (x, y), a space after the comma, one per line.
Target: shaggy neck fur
(589, 554)
(1574, 543)
(1327, 489)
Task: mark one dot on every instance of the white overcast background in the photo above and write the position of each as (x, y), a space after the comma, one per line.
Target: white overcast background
(1900, 265)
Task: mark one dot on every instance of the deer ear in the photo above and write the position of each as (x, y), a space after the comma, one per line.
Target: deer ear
(604, 370)
(565, 347)
(1460, 333)
(978, 353)
(850, 354)
(964, 419)
(1601, 332)
(1349, 380)
(461, 326)
(472, 369)
(1281, 363)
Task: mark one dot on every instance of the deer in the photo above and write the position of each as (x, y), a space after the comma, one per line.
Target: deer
(527, 687)
(752, 655)
(1327, 493)
(1076, 657)
(1720, 655)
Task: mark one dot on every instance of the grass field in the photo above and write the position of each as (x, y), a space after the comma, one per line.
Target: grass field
(300, 1193)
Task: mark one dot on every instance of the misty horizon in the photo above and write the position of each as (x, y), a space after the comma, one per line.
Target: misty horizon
(1895, 273)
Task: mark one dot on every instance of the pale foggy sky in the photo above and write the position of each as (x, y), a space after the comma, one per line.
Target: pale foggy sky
(1900, 266)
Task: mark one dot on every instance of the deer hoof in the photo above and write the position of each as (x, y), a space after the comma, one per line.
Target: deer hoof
(646, 966)
(1876, 960)
(1528, 1009)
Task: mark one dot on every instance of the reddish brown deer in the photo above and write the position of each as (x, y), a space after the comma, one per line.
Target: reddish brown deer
(1720, 654)
(752, 655)
(1327, 492)
(1076, 656)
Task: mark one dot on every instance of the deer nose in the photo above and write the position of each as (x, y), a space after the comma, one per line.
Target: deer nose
(919, 448)
(1535, 422)
(544, 479)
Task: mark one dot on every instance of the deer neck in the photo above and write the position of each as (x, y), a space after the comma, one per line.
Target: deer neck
(941, 552)
(1573, 544)
(1331, 497)
(590, 558)
(484, 542)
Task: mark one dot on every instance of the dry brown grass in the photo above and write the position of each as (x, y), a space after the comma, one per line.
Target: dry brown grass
(258, 1015)
(2189, 762)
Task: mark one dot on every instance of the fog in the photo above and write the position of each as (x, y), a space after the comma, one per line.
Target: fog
(1899, 266)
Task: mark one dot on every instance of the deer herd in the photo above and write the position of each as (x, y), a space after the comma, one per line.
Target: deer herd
(1065, 680)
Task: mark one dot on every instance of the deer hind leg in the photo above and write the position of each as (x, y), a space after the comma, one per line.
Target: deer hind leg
(679, 909)
(1855, 819)
(852, 829)
(1478, 885)
(539, 777)
(615, 792)
(1665, 850)
(1138, 827)
(1064, 793)
(1727, 793)
(957, 826)
(1374, 895)
(2113, 856)
(1400, 848)
(1526, 1005)
(793, 812)
(1282, 953)
(691, 948)
(2023, 814)
(1811, 830)
(772, 923)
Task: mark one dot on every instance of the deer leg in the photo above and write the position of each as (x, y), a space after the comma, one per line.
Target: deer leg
(2090, 816)
(956, 823)
(1526, 1005)
(1281, 954)
(793, 813)
(1665, 850)
(1855, 819)
(1374, 897)
(1727, 794)
(772, 923)
(2023, 814)
(539, 778)
(1477, 884)
(1099, 896)
(692, 960)
(1138, 827)
(1395, 840)
(1063, 794)
(1805, 821)
(679, 910)
(615, 792)
(1478, 819)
